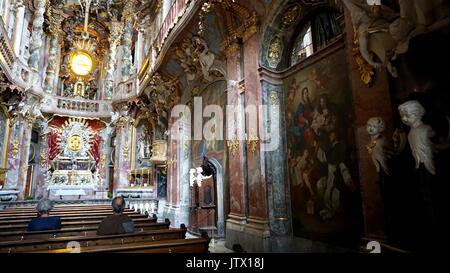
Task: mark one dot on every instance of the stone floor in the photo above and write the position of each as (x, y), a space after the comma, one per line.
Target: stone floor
(215, 246)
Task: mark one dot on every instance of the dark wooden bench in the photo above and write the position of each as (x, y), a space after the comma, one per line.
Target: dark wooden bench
(78, 214)
(33, 213)
(56, 208)
(68, 218)
(95, 240)
(83, 223)
(197, 245)
(73, 231)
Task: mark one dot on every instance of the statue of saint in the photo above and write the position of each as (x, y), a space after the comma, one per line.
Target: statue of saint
(420, 135)
(144, 142)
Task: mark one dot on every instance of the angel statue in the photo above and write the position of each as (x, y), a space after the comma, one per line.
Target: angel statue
(420, 135)
(379, 148)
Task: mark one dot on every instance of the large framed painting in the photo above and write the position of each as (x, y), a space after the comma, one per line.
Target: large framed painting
(322, 169)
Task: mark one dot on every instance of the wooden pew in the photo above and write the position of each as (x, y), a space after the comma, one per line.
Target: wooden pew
(74, 231)
(95, 240)
(197, 245)
(67, 218)
(56, 208)
(33, 213)
(77, 214)
(68, 224)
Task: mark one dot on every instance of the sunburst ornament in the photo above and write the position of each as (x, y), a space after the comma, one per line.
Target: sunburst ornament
(76, 137)
(81, 63)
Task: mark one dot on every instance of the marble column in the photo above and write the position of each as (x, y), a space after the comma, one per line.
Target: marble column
(23, 163)
(43, 166)
(185, 164)
(275, 154)
(55, 25)
(14, 153)
(127, 58)
(115, 32)
(122, 153)
(37, 35)
(235, 133)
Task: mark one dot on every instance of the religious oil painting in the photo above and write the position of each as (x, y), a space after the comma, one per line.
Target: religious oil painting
(321, 164)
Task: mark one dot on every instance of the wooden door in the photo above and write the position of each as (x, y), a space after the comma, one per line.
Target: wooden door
(28, 181)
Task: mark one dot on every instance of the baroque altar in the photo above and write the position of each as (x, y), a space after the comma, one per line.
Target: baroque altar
(74, 155)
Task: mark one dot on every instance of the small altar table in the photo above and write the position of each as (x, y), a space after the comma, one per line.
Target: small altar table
(55, 191)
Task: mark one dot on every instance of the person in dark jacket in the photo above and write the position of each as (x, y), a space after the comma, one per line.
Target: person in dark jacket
(44, 221)
(117, 223)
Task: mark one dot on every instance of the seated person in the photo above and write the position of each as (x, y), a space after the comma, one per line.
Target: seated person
(44, 221)
(118, 222)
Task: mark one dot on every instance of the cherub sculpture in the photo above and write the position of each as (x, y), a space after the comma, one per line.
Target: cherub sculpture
(379, 148)
(420, 135)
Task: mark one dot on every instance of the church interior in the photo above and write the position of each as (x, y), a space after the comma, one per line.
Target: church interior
(262, 126)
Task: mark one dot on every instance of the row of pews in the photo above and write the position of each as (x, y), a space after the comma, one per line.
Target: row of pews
(79, 228)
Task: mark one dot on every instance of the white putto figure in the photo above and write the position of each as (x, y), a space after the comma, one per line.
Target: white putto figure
(379, 148)
(420, 135)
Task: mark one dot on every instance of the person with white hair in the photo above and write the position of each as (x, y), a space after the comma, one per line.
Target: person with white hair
(44, 221)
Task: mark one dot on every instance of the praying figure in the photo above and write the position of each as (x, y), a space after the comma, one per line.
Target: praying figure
(379, 148)
(420, 135)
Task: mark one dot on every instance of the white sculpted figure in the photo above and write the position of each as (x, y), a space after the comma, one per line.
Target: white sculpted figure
(420, 135)
(144, 144)
(387, 33)
(379, 147)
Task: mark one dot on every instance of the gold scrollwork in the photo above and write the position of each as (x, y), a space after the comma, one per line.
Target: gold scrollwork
(252, 142)
(126, 151)
(233, 145)
(15, 148)
(365, 69)
(43, 158)
(290, 16)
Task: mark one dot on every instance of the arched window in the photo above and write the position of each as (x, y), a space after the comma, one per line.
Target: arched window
(315, 34)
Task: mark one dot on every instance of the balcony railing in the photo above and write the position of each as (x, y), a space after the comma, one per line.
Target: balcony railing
(7, 56)
(175, 12)
(77, 107)
(127, 89)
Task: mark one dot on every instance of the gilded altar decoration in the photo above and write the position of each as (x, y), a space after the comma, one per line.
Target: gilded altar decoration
(75, 142)
(81, 63)
(75, 139)
(252, 142)
(15, 148)
(290, 16)
(274, 52)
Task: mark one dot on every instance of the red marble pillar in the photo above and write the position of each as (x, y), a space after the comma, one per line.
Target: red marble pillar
(235, 146)
(368, 102)
(257, 197)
